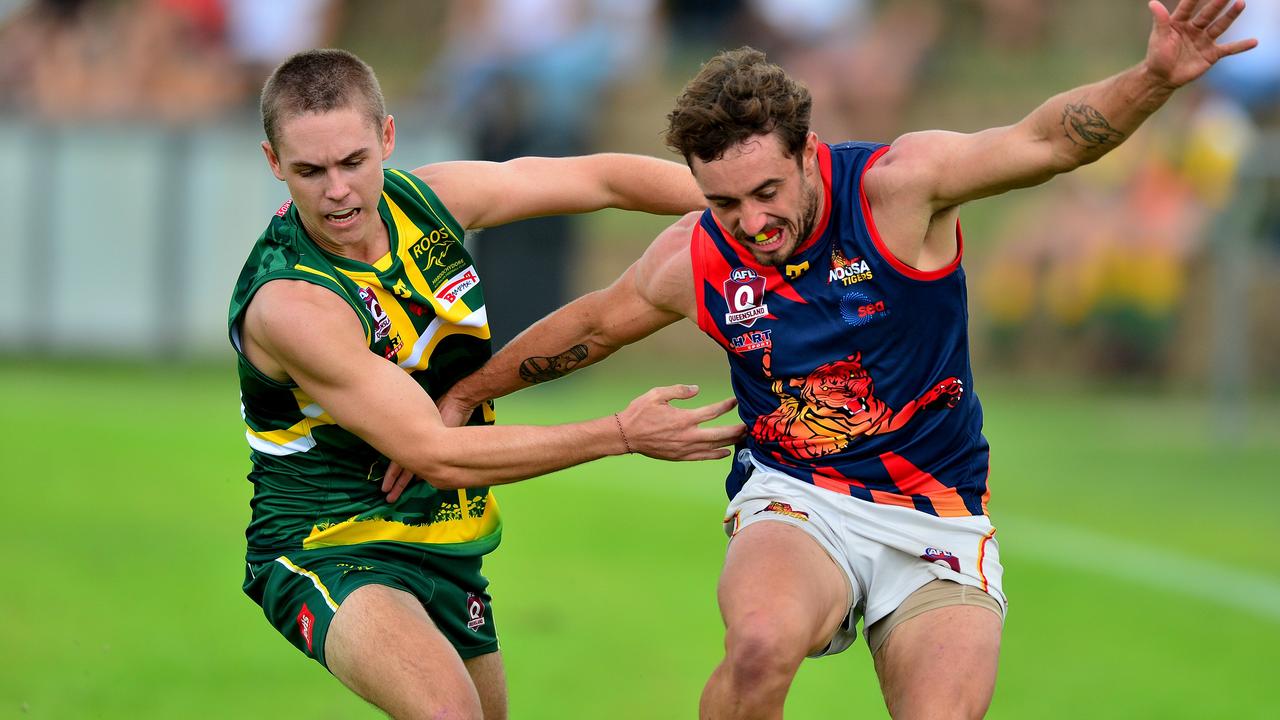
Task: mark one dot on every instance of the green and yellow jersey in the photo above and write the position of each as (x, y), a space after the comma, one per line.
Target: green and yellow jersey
(315, 484)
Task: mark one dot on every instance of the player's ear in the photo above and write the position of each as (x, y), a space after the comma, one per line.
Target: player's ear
(388, 136)
(810, 152)
(272, 159)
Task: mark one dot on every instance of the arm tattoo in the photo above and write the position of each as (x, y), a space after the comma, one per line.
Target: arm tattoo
(1086, 127)
(540, 369)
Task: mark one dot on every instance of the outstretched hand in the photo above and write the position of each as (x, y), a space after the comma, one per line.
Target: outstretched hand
(1183, 45)
(652, 427)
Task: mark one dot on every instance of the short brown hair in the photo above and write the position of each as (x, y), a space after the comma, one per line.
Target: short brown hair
(736, 95)
(320, 81)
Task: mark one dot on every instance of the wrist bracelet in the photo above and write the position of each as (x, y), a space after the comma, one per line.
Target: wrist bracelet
(626, 443)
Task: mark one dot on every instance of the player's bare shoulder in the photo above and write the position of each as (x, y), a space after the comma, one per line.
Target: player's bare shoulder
(910, 168)
(287, 316)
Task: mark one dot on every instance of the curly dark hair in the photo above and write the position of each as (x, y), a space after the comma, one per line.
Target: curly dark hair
(320, 81)
(736, 95)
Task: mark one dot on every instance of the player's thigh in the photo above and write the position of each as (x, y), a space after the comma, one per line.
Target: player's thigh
(490, 678)
(778, 579)
(383, 645)
(941, 663)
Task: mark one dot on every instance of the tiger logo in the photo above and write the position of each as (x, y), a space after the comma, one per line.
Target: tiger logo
(836, 404)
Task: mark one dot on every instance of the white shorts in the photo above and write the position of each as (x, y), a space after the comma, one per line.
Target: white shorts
(887, 552)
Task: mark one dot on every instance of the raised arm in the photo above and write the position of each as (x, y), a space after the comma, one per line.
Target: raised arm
(307, 333)
(484, 194)
(1070, 129)
(654, 292)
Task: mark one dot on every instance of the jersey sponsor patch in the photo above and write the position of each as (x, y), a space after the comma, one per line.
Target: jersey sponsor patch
(381, 323)
(941, 557)
(859, 309)
(475, 612)
(457, 286)
(744, 292)
(430, 249)
(306, 624)
(752, 340)
(847, 272)
(284, 208)
(782, 508)
(795, 271)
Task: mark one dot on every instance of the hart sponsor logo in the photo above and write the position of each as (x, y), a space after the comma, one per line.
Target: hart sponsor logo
(431, 248)
(847, 272)
(941, 557)
(457, 286)
(784, 509)
(795, 271)
(753, 340)
(284, 208)
(393, 348)
(306, 624)
(381, 323)
(859, 309)
(744, 292)
(475, 612)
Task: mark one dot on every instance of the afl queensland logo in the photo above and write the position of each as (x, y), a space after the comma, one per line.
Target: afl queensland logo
(381, 323)
(744, 293)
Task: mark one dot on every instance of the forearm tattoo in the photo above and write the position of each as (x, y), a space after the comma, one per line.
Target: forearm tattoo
(540, 369)
(1086, 127)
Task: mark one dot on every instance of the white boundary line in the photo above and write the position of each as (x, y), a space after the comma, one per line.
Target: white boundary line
(1082, 549)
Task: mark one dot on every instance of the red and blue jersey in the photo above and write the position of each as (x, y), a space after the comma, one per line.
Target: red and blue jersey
(851, 368)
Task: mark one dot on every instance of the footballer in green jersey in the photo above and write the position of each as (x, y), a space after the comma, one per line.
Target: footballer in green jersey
(356, 309)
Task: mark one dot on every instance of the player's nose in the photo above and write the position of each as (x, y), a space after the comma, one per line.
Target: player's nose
(753, 220)
(336, 186)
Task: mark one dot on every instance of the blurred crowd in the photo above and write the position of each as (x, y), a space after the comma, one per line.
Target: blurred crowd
(1106, 263)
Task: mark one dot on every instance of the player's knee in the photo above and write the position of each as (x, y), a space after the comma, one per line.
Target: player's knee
(758, 649)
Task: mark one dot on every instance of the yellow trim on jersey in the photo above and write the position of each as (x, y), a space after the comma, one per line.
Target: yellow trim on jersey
(407, 230)
(328, 599)
(314, 271)
(430, 208)
(353, 531)
(295, 438)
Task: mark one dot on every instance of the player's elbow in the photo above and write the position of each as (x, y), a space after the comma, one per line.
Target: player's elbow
(442, 468)
(446, 476)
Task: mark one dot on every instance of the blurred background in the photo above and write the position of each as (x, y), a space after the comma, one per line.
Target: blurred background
(1124, 332)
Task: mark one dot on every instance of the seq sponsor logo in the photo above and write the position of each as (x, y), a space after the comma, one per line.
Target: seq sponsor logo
(848, 272)
(381, 323)
(475, 612)
(744, 292)
(941, 557)
(752, 340)
(858, 309)
(306, 625)
(457, 286)
(785, 510)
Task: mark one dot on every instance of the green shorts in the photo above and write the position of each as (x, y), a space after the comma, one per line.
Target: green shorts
(301, 591)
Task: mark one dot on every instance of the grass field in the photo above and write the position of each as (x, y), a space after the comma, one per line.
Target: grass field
(1140, 560)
